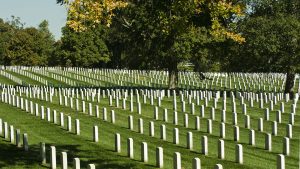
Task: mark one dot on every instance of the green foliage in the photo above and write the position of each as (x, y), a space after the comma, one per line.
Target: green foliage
(25, 46)
(161, 34)
(272, 40)
(84, 49)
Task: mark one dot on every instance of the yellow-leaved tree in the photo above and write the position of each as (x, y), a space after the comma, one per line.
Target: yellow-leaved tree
(86, 13)
(168, 27)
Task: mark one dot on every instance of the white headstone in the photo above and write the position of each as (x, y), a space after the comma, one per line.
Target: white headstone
(43, 152)
(163, 134)
(151, 129)
(196, 163)
(76, 163)
(252, 137)
(177, 160)
(204, 145)
(159, 157)
(130, 148)
(144, 152)
(141, 126)
(95, 134)
(64, 160)
(221, 149)
(52, 157)
(286, 146)
(239, 154)
(77, 127)
(176, 136)
(222, 130)
(189, 140)
(236, 133)
(280, 161)
(268, 142)
(117, 143)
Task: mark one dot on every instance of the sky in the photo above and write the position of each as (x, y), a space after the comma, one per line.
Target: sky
(33, 12)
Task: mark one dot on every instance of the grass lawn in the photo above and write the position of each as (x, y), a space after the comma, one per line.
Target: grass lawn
(103, 155)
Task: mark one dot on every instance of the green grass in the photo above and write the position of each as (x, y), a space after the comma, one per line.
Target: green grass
(102, 153)
(4, 80)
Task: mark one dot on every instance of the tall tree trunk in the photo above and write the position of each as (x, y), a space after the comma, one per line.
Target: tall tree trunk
(289, 83)
(173, 77)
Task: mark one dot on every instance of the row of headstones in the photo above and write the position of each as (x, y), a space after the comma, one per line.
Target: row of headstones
(63, 79)
(223, 119)
(196, 163)
(96, 129)
(163, 135)
(41, 92)
(11, 77)
(254, 78)
(37, 110)
(155, 74)
(93, 78)
(43, 152)
(75, 78)
(30, 75)
(70, 100)
(159, 99)
(14, 99)
(293, 107)
(39, 71)
(40, 111)
(53, 151)
(14, 136)
(155, 78)
(212, 115)
(64, 159)
(197, 124)
(92, 92)
(36, 93)
(189, 140)
(166, 78)
(151, 78)
(262, 101)
(175, 120)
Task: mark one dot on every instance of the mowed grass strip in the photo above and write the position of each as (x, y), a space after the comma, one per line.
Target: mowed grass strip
(6, 81)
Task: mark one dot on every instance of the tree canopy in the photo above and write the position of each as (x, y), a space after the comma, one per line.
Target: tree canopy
(160, 34)
(272, 30)
(25, 46)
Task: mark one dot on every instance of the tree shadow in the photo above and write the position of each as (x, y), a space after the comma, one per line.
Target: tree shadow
(11, 155)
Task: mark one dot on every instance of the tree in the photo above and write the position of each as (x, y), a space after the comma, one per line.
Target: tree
(161, 33)
(272, 31)
(24, 46)
(86, 49)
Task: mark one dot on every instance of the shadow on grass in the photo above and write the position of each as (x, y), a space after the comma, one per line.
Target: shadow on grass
(10, 155)
(101, 157)
(14, 157)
